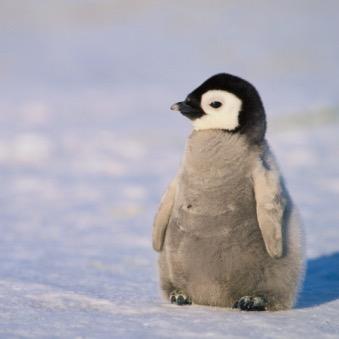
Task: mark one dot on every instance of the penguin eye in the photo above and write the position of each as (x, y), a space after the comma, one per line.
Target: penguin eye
(215, 104)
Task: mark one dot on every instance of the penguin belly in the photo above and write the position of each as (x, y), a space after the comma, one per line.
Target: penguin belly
(214, 246)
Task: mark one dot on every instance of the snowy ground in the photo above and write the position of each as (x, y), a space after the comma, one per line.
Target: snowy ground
(88, 144)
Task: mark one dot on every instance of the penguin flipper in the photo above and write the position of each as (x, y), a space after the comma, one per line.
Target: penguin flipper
(162, 217)
(271, 202)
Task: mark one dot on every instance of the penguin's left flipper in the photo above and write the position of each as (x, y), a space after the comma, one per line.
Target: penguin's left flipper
(249, 303)
(271, 202)
(162, 217)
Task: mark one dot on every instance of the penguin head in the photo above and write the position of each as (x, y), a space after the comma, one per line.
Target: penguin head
(225, 102)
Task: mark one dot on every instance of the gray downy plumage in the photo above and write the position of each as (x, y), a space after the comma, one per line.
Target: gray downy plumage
(226, 227)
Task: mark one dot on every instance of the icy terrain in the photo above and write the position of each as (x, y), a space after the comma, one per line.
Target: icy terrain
(88, 144)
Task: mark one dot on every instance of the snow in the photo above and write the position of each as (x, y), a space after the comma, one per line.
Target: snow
(88, 145)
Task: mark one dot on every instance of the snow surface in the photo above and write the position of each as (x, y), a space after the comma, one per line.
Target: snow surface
(88, 145)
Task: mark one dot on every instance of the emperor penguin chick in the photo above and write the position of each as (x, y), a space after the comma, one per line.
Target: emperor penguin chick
(226, 229)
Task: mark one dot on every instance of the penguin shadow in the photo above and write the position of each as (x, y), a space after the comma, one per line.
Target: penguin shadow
(321, 284)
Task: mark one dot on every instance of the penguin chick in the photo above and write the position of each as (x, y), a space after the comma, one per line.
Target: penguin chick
(226, 229)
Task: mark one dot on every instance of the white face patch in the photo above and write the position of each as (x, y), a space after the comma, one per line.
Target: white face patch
(222, 111)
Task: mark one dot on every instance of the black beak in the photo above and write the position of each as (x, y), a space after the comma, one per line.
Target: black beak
(188, 110)
(181, 106)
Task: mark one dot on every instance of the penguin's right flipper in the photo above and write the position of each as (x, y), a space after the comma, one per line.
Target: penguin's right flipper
(163, 216)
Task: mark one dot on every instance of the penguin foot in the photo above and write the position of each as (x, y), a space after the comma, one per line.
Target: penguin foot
(179, 298)
(249, 303)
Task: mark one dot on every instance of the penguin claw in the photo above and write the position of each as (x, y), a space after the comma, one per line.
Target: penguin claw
(249, 303)
(179, 298)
